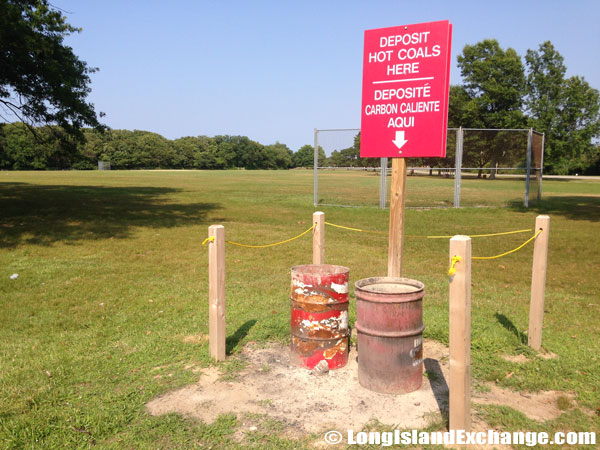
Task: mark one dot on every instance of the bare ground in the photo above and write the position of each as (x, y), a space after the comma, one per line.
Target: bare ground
(311, 403)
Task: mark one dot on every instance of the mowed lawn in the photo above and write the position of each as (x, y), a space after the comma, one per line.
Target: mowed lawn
(109, 309)
(343, 187)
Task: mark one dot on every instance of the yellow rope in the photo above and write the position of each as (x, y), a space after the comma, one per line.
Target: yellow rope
(455, 259)
(452, 269)
(428, 237)
(354, 229)
(271, 245)
(474, 235)
(510, 251)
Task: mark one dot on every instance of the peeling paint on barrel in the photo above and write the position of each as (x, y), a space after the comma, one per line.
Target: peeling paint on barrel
(390, 328)
(319, 316)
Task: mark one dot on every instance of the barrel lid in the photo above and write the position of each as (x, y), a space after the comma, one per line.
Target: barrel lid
(389, 285)
(320, 269)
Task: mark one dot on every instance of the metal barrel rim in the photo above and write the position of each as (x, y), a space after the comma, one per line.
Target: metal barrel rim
(312, 269)
(362, 285)
(389, 334)
(365, 292)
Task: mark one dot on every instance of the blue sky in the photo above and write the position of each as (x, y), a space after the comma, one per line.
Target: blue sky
(273, 71)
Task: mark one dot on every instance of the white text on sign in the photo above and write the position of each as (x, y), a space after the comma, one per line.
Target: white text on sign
(405, 90)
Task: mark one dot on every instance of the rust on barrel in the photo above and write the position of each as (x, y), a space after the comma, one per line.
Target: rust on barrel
(319, 316)
(390, 328)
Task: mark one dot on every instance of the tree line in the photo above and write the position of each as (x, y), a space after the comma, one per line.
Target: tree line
(20, 149)
(47, 123)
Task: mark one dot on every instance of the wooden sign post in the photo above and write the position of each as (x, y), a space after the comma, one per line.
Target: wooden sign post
(396, 234)
(406, 74)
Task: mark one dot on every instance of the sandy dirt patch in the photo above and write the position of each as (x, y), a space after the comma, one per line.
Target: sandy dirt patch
(313, 403)
(519, 359)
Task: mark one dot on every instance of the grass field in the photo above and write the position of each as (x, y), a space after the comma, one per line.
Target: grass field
(357, 188)
(110, 305)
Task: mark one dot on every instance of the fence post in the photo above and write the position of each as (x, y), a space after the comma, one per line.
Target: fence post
(538, 282)
(528, 171)
(316, 164)
(460, 335)
(458, 166)
(216, 292)
(540, 172)
(319, 238)
(383, 183)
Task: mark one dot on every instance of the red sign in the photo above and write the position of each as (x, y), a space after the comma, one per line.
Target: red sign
(406, 74)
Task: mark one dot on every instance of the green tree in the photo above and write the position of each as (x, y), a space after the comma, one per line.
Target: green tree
(41, 80)
(137, 150)
(336, 159)
(89, 152)
(184, 149)
(349, 157)
(226, 156)
(579, 127)
(21, 150)
(198, 152)
(495, 85)
(151, 150)
(545, 83)
(458, 100)
(250, 154)
(278, 156)
(566, 110)
(305, 156)
(206, 157)
(353, 158)
(118, 150)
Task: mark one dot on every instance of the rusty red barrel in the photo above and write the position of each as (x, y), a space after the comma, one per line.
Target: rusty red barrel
(319, 322)
(389, 324)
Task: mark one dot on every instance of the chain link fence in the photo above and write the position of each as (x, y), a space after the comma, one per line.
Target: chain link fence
(482, 167)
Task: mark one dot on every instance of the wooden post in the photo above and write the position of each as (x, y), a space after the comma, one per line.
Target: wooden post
(538, 282)
(396, 234)
(460, 335)
(216, 292)
(319, 238)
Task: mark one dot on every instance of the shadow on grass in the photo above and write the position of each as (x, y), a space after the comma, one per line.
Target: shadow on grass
(42, 215)
(439, 386)
(232, 341)
(507, 323)
(575, 207)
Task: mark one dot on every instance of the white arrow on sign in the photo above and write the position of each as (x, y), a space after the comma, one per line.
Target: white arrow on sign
(399, 141)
